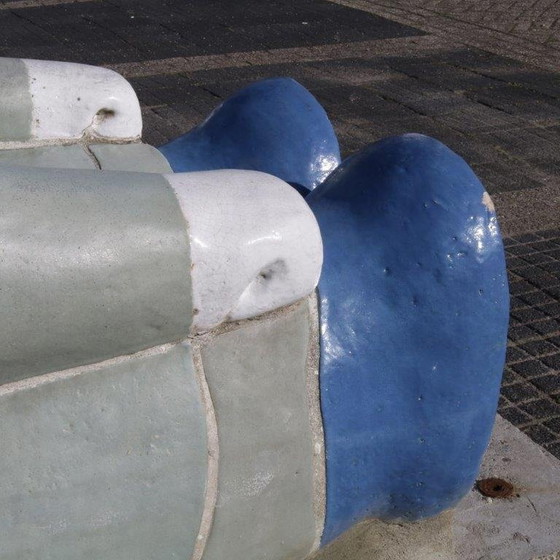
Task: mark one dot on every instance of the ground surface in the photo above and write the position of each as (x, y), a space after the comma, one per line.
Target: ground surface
(480, 75)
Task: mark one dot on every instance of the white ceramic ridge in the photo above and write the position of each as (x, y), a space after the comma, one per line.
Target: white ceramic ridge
(71, 99)
(255, 244)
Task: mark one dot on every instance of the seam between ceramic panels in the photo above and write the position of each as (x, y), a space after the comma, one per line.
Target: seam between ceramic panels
(229, 326)
(316, 421)
(37, 143)
(46, 378)
(196, 342)
(90, 155)
(213, 449)
(49, 377)
(211, 490)
(187, 232)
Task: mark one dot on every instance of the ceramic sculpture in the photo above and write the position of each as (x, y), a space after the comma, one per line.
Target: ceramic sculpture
(66, 115)
(274, 125)
(413, 330)
(172, 384)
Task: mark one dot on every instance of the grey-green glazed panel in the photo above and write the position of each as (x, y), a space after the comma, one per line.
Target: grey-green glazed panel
(67, 157)
(108, 464)
(16, 109)
(257, 380)
(130, 157)
(93, 265)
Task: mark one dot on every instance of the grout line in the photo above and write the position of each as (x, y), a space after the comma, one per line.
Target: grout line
(316, 421)
(541, 395)
(91, 155)
(531, 356)
(211, 494)
(38, 380)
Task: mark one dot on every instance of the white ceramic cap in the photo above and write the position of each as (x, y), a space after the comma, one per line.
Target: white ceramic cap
(70, 99)
(255, 244)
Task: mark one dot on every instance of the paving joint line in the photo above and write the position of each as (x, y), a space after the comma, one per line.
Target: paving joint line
(288, 55)
(29, 4)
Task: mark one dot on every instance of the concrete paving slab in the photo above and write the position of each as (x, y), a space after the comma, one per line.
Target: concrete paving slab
(518, 528)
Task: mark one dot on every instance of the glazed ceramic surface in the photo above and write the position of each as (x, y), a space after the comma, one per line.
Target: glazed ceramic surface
(44, 101)
(73, 156)
(104, 463)
(275, 126)
(257, 377)
(92, 287)
(246, 231)
(106, 156)
(125, 435)
(414, 314)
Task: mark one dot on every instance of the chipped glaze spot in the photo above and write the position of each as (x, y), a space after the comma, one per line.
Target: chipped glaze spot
(488, 202)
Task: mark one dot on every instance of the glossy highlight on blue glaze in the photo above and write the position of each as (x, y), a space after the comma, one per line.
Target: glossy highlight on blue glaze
(413, 312)
(275, 126)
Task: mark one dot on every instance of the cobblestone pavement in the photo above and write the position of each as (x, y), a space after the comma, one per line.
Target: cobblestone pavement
(481, 76)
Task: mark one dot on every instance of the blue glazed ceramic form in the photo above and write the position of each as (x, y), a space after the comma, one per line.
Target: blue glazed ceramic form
(414, 313)
(275, 126)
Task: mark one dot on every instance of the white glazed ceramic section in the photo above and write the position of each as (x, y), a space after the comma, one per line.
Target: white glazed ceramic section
(255, 244)
(70, 100)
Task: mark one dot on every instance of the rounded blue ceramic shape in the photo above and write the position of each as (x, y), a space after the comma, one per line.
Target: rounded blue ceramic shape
(414, 313)
(275, 126)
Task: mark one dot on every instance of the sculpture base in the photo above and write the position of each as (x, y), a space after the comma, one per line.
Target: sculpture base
(517, 528)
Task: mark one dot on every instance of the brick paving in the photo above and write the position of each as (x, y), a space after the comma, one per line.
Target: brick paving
(481, 76)
(538, 21)
(510, 28)
(501, 116)
(531, 384)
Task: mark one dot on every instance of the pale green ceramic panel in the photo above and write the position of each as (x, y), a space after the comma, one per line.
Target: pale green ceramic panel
(257, 380)
(68, 157)
(15, 100)
(130, 157)
(105, 465)
(93, 265)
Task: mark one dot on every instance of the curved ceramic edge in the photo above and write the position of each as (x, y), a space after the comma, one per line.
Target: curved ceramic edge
(255, 244)
(275, 126)
(257, 377)
(70, 100)
(414, 314)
